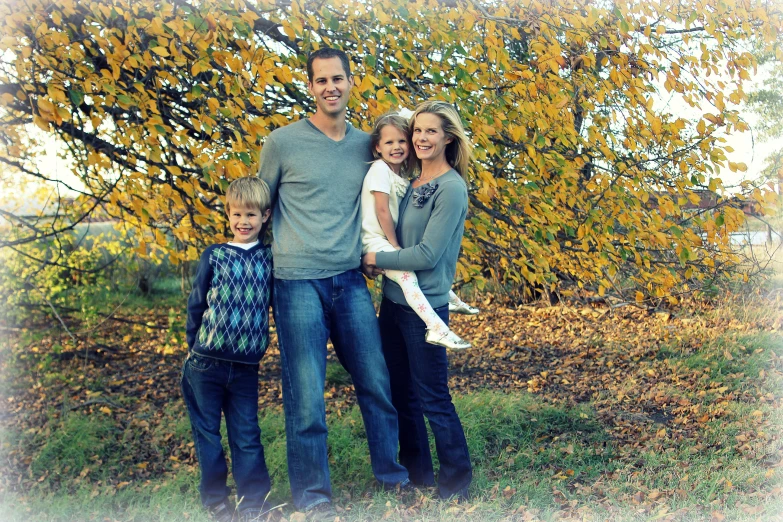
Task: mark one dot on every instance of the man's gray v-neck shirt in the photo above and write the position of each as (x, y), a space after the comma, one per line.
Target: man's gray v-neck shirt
(316, 184)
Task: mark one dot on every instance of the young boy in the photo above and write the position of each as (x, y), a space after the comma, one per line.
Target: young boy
(227, 334)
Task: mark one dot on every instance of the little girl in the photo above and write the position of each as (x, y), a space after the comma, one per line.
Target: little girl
(382, 191)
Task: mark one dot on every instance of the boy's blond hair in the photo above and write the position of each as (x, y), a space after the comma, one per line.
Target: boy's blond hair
(250, 192)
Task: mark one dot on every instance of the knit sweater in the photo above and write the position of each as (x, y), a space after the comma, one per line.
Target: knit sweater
(228, 308)
(315, 183)
(430, 227)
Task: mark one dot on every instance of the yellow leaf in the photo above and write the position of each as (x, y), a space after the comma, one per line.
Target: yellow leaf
(366, 84)
(45, 106)
(41, 123)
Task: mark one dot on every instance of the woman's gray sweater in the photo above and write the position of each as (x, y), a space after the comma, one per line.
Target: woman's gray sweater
(431, 236)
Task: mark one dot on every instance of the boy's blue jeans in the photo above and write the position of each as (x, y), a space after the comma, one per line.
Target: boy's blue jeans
(210, 386)
(420, 388)
(308, 313)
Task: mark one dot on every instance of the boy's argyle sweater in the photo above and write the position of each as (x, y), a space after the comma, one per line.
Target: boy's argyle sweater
(228, 308)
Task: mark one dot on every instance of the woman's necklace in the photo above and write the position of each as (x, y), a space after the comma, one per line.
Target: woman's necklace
(422, 180)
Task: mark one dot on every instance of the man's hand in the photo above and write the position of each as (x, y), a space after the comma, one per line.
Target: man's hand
(368, 266)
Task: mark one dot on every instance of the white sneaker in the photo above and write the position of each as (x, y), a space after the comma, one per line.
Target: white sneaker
(463, 308)
(448, 340)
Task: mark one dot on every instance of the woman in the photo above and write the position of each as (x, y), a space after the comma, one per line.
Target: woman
(430, 226)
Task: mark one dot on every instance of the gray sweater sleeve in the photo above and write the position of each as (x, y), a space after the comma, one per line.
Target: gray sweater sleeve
(448, 211)
(270, 166)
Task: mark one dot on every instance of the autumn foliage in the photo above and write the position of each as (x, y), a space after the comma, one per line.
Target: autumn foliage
(587, 156)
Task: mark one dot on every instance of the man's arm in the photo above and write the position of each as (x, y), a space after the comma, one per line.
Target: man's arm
(369, 268)
(270, 166)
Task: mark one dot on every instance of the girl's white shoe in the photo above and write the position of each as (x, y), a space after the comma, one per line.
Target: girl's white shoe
(448, 340)
(462, 308)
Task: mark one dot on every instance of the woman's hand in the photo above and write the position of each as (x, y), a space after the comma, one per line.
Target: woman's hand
(368, 266)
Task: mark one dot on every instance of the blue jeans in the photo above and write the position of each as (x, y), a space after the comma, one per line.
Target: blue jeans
(419, 381)
(210, 386)
(307, 313)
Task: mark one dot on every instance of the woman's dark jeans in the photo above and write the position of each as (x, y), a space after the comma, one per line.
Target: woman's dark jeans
(419, 385)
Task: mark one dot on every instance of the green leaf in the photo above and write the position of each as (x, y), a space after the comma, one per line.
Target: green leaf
(242, 29)
(77, 97)
(719, 219)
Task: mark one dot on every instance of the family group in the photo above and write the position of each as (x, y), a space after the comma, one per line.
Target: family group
(343, 204)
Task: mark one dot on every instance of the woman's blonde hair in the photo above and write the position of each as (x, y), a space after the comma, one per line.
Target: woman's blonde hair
(459, 151)
(399, 123)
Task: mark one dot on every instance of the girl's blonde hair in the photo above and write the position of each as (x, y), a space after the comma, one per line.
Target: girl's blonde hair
(459, 151)
(399, 123)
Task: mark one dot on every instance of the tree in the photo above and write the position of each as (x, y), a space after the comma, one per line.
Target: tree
(581, 176)
(767, 103)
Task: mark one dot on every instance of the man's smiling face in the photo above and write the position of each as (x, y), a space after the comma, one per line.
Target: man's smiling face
(331, 86)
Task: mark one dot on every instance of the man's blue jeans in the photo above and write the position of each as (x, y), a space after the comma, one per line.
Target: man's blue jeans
(420, 387)
(210, 386)
(307, 313)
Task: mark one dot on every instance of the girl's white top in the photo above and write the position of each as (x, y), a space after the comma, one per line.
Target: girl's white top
(380, 178)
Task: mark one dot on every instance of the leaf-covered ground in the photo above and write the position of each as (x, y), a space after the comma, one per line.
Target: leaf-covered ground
(699, 381)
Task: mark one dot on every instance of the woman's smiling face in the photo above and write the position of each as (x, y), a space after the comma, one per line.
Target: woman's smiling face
(429, 140)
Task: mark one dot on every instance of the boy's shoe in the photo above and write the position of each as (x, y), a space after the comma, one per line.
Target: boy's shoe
(259, 515)
(463, 308)
(408, 494)
(223, 511)
(448, 340)
(323, 512)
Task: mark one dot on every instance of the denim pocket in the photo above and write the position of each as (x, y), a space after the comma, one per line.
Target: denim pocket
(201, 364)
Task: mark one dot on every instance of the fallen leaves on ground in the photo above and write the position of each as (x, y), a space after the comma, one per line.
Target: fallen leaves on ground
(627, 362)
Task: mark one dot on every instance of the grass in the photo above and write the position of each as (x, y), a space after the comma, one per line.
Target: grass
(716, 454)
(512, 439)
(529, 456)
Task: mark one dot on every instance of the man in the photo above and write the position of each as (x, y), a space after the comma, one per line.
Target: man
(315, 168)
